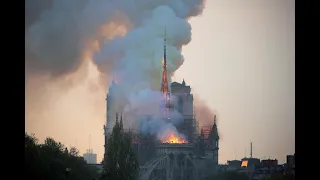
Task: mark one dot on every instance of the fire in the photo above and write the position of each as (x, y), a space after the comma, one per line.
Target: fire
(173, 139)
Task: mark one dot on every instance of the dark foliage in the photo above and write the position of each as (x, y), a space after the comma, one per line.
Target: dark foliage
(230, 175)
(49, 161)
(280, 176)
(120, 162)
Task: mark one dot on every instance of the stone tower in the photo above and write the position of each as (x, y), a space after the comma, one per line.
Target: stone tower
(110, 114)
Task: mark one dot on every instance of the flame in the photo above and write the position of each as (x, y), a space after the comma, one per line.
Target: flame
(173, 139)
(244, 163)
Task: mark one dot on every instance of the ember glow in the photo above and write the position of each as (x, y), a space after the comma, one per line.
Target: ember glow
(173, 139)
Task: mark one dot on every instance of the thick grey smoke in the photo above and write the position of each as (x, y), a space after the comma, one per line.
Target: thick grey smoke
(136, 58)
(142, 111)
(141, 49)
(156, 126)
(59, 31)
(33, 10)
(203, 112)
(123, 37)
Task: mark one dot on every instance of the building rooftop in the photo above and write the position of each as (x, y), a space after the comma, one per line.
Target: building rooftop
(183, 84)
(176, 84)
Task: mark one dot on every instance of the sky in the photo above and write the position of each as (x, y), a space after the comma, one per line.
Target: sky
(240, 62)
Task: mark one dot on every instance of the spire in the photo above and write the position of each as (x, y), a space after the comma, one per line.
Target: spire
(250, 149)
(215, 128)
(183, 82)
(113, 83)
(121, 122)
(165, 49)
(164, 82)
(117, 118)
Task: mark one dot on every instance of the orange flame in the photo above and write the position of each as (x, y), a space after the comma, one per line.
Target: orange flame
(173, 139)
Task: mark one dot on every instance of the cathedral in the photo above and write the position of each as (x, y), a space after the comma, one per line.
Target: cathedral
(176, 97)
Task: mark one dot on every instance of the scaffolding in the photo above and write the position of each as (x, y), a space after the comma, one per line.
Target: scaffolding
(205, 135)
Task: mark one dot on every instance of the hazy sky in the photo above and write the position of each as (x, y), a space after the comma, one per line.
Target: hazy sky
(240, 61)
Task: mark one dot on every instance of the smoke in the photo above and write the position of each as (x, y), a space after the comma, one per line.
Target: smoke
(123, 39)
(58, 32)
(141, 111)
(155, 125)
(135, 59)
(204, 114)
(33, 10)
(139, 53)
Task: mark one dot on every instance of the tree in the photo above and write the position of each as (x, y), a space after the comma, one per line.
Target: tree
(280, 176)
(74, 152)
(32, 157)
(229, 175)
(120, 163)
(50, 160)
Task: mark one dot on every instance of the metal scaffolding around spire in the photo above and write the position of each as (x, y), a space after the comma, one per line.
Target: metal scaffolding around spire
(166, 105)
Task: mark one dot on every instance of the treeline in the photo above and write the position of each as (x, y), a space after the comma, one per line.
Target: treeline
(229, 175)
(233, 175)
(281, 176)
(53, 161)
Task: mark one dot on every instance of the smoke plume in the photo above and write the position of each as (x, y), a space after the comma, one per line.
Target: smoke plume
(204, 114)
(123, 39)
